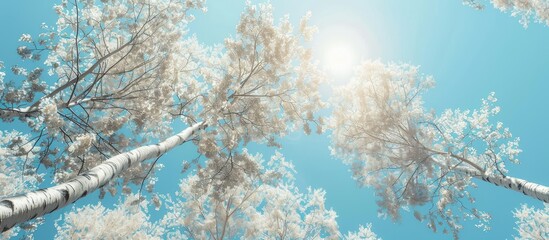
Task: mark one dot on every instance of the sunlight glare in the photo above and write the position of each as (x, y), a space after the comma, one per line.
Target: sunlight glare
(341, 48)
(339, 59)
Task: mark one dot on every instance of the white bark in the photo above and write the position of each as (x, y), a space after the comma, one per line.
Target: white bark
(537, 191)
(17, 112)
(531, 189)
(21, 208)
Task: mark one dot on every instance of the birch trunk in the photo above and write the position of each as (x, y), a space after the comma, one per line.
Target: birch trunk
(24, 207)
(537, 191)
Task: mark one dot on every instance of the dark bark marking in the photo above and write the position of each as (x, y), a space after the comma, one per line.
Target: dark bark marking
(7, 203)
(56, 207)
(86, 175)
(157, 149)
(91, 175)
(112, 177)
(104, 183)
(519, 186)
(65, 194)
(128, 158)
(112, 166)
(72, 187)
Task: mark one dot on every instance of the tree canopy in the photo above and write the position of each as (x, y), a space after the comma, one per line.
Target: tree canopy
(102, 95)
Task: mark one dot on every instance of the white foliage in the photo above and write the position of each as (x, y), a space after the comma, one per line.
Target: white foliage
(129, 220)
(82, 144)
(526, 10)
(121, 74)
(261, 84)
(127, 65)
(15, 151)
(532, 223)
(408, 154)
(2, 76)
(25, 38)
(364, 233)
(262, 203)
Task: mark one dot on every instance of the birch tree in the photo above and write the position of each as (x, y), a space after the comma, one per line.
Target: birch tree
(257, 199)
(413, 157)
(110, 65)
(125, 73)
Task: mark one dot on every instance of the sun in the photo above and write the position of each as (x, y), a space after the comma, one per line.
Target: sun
(340, 49)
(339, 59)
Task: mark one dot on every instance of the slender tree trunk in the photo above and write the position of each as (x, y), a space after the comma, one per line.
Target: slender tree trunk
(531, 189)
(21, 208)
(537, 191)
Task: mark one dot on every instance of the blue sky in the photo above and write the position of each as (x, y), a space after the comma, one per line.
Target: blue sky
(470, 53)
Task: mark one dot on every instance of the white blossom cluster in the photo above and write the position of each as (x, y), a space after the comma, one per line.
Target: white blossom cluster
(363, 234)
(128, 220)
(15, 151)
(261, 204)
(82, 144)
(532, 223)
(51, 118)
(526, 10)
(25, 38)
